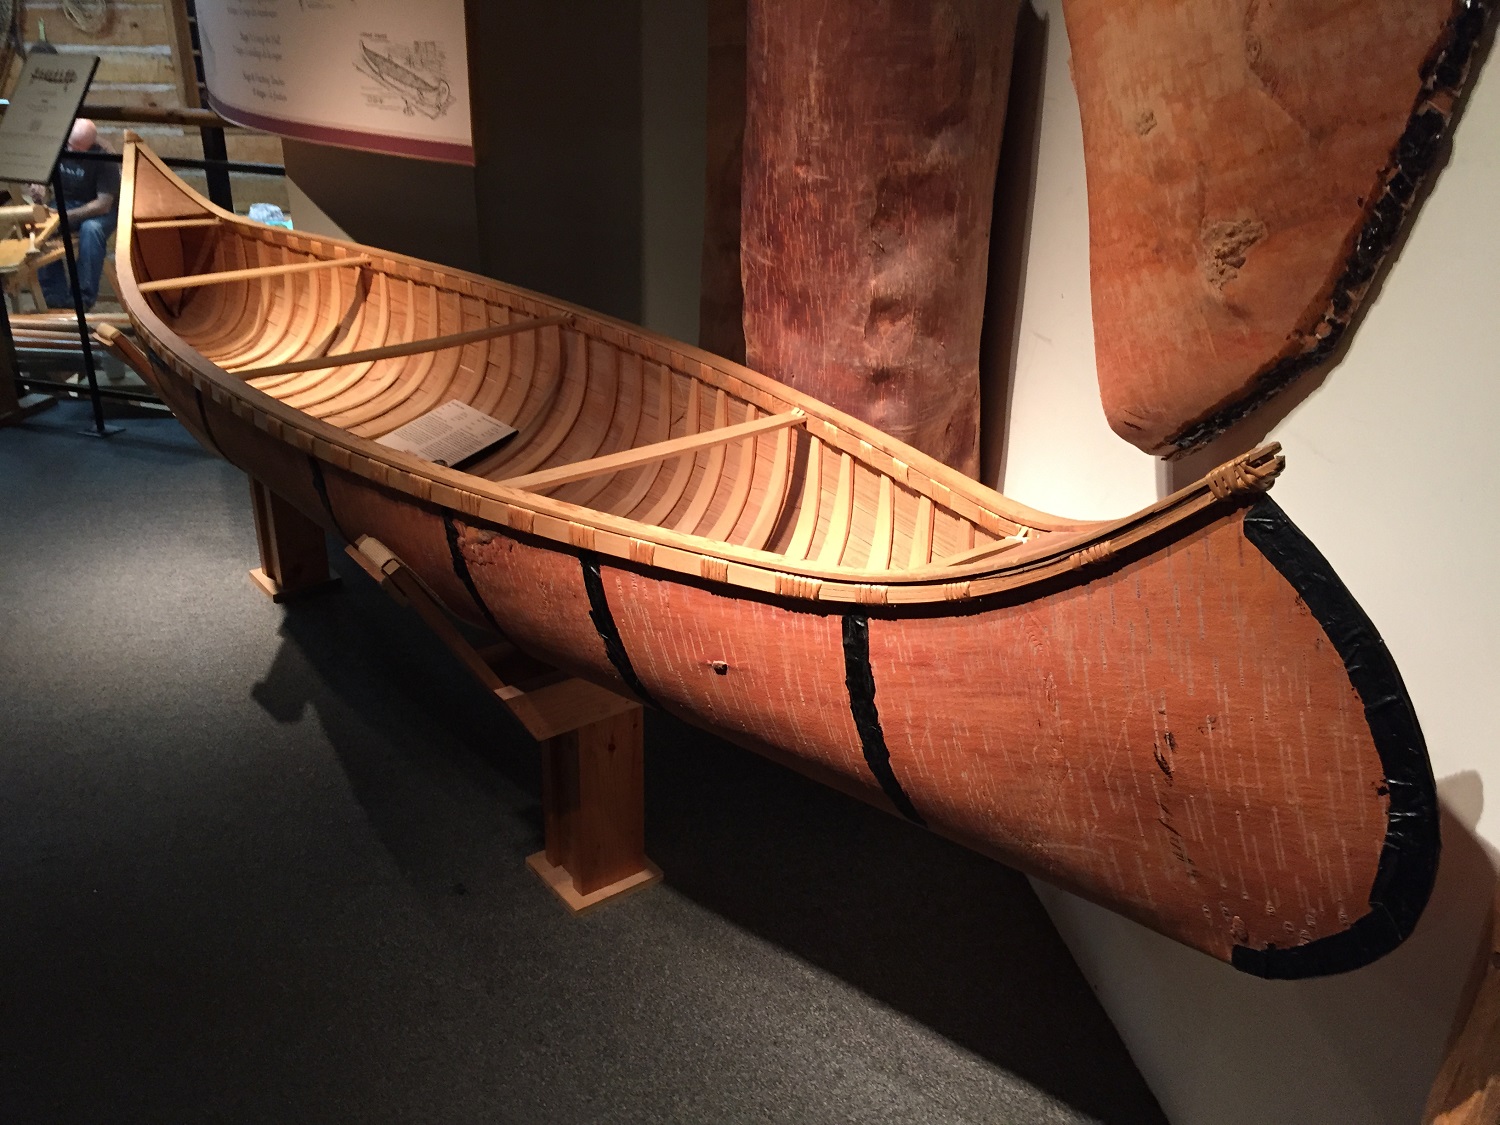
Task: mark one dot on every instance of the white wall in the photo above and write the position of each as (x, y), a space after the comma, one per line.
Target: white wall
(1390, 474)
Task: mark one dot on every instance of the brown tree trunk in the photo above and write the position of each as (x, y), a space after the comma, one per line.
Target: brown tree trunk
(1249, 167)
(871, 141)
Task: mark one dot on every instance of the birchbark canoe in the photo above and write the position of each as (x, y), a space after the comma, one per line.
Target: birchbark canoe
(1250, 166)
(1181, 714)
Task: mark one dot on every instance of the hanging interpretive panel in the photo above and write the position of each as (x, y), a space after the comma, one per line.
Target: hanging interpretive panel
(380, 75)
(42, 107)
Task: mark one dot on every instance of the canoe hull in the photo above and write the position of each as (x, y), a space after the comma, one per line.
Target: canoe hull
(1180, 734)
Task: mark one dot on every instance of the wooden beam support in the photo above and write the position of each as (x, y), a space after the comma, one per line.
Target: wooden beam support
(593, 792)
(293, 552)
(157, 115)
(1467, 1089)
(593, 809)
(192, 281)
(656, 451)
(410, 347)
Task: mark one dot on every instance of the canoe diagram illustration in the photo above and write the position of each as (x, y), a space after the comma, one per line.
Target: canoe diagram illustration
(413, 75)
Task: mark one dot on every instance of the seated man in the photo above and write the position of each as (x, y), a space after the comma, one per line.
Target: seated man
(91, 193)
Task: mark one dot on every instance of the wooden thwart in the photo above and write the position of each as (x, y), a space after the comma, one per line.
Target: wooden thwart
(410, 347)
(168, 224)
(656, 451)
(192, 281)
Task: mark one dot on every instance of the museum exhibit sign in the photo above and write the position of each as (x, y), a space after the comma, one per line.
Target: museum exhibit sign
(1249, 166)
(1182, 714)
(381, 75)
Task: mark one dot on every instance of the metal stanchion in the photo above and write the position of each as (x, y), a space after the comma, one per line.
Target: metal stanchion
(64, 228)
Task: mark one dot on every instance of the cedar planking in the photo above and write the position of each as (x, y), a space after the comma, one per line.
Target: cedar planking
(1181, 714)
(1249, 166)
(872, 137)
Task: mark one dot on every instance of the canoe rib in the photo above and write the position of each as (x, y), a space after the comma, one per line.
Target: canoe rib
(683, 467)
(642, 486)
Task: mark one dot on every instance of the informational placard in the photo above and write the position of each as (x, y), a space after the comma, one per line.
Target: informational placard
(40, 115)
(449, 434)
(380, 75)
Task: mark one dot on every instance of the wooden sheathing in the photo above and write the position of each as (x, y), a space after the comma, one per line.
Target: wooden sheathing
(564, 375)
(583, 390)
(145, 60)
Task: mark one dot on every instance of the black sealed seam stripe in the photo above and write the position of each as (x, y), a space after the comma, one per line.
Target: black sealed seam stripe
(321, 486)
(609, 633)
(860, 681)
(1409, 858)
(461, 568)
(208, 431)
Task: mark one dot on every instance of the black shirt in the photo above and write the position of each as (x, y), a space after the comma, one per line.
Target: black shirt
(85, 180)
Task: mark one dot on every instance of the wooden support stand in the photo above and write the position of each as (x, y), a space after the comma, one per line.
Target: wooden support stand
(593, 787)
(293, 553)
(593, 804)
(1467, 1089)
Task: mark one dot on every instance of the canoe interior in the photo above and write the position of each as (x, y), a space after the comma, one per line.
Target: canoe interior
(572, 393)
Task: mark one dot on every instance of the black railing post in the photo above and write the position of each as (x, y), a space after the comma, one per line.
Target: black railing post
(65, 229)
(215, 159)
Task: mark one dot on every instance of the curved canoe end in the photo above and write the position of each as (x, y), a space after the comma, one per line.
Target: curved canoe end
(1409, 860)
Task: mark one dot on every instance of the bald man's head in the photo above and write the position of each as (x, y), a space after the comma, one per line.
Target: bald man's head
(82, 136)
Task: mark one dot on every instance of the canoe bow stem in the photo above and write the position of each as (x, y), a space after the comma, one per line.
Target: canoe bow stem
(1249, 473)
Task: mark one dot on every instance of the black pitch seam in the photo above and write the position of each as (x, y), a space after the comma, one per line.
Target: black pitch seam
(208, 431)
(461, 568)
(609, 633)
(321, 486)
(1408, 862)
(860, 681)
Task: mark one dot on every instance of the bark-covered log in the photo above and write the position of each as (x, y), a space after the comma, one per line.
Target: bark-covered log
(872, 136)
(1249, 166)
(721, 302)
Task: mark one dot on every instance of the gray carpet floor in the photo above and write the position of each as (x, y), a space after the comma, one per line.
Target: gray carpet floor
(265, 864)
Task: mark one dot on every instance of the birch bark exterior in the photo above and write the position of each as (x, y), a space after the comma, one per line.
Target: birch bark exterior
(1250, 166)
(871, 142)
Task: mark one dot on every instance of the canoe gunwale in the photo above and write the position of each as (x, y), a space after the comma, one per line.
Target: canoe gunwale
(1070, 546)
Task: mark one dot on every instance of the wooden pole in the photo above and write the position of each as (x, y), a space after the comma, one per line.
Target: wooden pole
(293, 553)
(192, 281)
(871, 142)
(396, 351)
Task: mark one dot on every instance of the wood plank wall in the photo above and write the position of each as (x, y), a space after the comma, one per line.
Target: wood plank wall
(142, 63)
